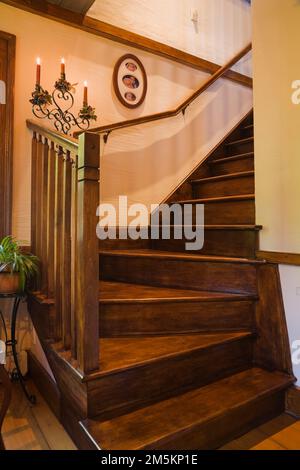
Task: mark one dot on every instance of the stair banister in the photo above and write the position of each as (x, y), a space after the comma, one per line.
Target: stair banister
(65, 196)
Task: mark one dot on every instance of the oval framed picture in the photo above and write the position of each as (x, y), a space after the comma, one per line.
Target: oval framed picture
(130, 81)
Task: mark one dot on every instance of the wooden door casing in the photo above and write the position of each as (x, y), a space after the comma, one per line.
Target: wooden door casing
(7, 75)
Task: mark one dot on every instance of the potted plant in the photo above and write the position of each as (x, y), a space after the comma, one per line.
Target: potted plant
(16, 266)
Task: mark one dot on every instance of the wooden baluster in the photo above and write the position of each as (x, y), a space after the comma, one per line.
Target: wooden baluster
(51, 220)
(44, 220)
(33, 191)
(87, 300)
(73, 256)
(66, 252)
(58, 238)
(38, 215)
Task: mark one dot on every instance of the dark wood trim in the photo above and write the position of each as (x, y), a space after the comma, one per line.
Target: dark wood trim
(113, 33)
(181, 108)
(293, 401)
(44, 383)
(7, 162)
(292, 259)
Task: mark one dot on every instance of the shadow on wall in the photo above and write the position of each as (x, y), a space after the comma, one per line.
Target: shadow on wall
(147, 162)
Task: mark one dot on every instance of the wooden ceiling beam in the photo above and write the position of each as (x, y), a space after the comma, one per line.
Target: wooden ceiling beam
(79, 6)
(114, 33)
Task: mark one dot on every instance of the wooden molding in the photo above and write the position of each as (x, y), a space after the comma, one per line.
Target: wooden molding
(6, 162)
(44, 383)
(279, 257)
(293, 401)
(113, 33)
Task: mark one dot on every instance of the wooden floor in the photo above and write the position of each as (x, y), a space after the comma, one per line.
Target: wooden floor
(282, 433)
(29, 427)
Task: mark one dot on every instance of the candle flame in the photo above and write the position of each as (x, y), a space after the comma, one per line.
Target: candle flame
(63, 60)
(38, 61)
(85, 83)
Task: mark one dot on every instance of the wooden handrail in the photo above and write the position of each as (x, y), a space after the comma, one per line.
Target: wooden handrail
(181, 108)
(67, 142)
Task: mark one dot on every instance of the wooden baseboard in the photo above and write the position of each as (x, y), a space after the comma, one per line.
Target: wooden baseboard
(292, 402)
(277, 257)
(45, 384)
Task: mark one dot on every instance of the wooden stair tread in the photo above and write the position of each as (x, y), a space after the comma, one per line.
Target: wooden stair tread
(121, 292)
(221, 227)
(119, 354)
(151, 426)
(241, 141)
(233, 158)
(244, 197)
(241, 174)
(178, 256)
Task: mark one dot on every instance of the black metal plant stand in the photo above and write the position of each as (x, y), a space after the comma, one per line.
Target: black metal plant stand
(12, 343)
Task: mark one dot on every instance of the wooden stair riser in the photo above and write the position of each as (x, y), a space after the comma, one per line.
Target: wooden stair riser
(214, 276)
(217, 432)
(166, 377)
(227, 187)
(232, 166)
(232, 243)
(165, 318)
(242, 146)
(227, 212)
(247, 131)
(230, 212)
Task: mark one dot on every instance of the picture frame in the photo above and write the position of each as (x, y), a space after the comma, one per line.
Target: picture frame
(130, 81)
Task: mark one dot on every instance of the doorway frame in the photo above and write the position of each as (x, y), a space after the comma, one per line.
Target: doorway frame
(7, 157)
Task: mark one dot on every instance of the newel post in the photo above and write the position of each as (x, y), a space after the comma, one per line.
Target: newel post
(87, 262)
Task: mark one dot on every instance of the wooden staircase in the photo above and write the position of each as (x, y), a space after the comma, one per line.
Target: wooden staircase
(178, 329)
(193, 345)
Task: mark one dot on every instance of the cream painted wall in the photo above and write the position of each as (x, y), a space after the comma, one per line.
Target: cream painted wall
(87, 57)
(223, 25)
(276, 36)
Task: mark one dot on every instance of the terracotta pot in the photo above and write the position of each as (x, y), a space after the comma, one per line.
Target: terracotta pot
(9, 283)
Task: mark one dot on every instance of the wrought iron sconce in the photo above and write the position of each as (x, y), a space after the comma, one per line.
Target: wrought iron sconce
(46, 105)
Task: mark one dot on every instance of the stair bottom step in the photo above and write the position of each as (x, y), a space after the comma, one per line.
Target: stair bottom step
(205, 418)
